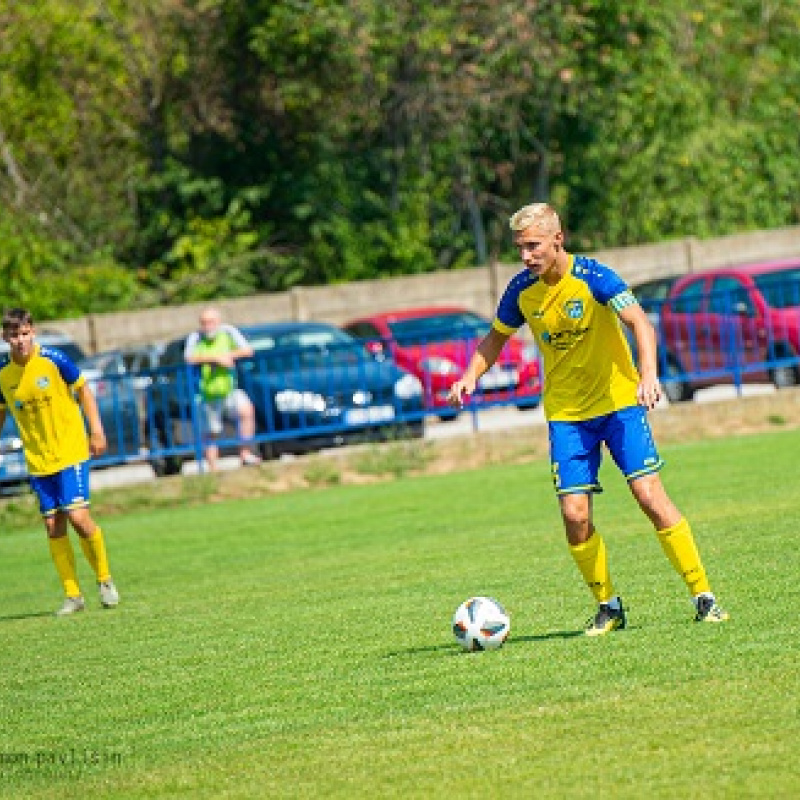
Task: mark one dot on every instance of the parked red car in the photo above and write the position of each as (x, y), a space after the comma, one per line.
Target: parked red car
(732, 325)
(436, 343)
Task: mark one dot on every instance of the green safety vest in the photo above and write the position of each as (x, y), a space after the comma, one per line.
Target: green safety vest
(216, 382)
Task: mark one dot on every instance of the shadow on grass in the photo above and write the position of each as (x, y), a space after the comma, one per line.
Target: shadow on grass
(446, 649)
(452, 649)
(32, 615)
(543, 637)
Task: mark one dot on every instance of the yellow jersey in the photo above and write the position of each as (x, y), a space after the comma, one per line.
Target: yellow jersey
(588, 368)
(41, 397)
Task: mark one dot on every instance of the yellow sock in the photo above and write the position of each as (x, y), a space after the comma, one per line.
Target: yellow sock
(64, 559)
(678, 543)
(593, 563)
(94, 548)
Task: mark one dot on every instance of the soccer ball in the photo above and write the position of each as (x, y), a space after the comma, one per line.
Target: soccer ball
(481, 623)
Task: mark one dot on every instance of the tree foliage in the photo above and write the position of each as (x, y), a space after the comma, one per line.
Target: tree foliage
(176, 150)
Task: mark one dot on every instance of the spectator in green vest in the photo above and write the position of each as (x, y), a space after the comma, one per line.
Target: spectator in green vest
(215, 348)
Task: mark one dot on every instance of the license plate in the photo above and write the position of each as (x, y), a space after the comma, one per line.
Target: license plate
(360, 416)
(13, 464)
(499, 378)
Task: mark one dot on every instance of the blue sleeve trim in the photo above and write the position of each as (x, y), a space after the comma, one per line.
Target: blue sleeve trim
(508, 310)
(603, 282)
(66, 367)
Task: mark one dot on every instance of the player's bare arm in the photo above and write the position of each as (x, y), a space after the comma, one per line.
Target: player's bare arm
(97, 436)
(220, 359)
(482, 359)
(241, 352)
(226, 360)
(648, 393)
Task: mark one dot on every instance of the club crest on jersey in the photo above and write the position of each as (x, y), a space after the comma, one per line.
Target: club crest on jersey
(574, 308)
(43, 382)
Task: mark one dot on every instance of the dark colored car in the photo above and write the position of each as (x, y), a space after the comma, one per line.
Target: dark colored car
(13, 470)
(118, 404)
(651, 295)
(48, 338)
(436, 344)
(736, 324)
(312, 386)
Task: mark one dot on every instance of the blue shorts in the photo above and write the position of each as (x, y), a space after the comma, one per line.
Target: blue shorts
(62, 491)
(575, 449)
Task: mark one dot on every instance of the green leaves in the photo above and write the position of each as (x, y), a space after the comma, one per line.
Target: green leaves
(234, 146)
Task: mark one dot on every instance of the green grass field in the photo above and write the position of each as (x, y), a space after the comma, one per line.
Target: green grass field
(300, 646)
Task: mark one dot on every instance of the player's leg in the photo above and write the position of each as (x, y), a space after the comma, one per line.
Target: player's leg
(246, 421)
(212, 429)
(631, 445)
(93, 545)
(55, 522)
(74, 498)
(64, 559)
(677, 541)
(575, 458)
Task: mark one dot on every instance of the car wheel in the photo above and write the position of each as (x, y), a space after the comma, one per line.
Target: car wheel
(269, 450)
(676, 388)
(786, 375)
(166, 465)
(414, 430)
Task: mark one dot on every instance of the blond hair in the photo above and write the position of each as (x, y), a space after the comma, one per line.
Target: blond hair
(538, 215)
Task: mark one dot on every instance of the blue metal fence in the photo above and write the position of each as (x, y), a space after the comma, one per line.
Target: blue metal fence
(308, 400)
(304, 399)
(745, 334)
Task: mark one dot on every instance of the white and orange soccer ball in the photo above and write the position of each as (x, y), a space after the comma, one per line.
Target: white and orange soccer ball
(481, 623)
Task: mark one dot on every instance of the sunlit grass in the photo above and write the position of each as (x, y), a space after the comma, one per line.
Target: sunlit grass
(300, 646)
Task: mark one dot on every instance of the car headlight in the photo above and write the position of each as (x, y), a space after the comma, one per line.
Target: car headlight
(290, 401)
(437, 365)
(407, 387)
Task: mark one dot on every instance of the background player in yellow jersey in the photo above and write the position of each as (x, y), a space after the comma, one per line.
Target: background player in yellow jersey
(593, 394)
(39, 386)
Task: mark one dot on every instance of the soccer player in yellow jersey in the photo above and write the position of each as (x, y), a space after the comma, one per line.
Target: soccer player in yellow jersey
(39, 386)
(593, 394)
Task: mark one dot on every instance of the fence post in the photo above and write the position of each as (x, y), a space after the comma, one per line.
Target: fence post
(94, 341)
(689, 243)
(299, 308)
(494, 280)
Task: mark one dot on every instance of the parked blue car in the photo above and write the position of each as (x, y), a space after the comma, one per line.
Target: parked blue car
(313, 386)
(117, 402)
(13, 471)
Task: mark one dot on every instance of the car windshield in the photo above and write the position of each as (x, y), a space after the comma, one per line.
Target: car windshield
(303, 349)
(439, 328)
(71, 351)
(105, 363)
(653, 290)
(780, 289)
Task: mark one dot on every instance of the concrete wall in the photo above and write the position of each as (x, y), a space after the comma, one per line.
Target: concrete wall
(477, 288)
